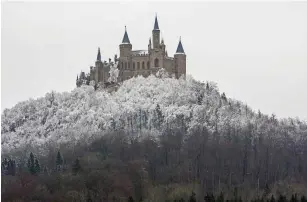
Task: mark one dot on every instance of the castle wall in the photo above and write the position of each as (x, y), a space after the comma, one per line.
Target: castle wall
(169, 65)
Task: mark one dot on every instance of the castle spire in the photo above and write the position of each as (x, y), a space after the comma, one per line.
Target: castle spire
(98, 55)
(126, 38)
(179, 47)
(156, 26)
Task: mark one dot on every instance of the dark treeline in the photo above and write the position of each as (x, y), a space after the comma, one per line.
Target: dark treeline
(168, 167)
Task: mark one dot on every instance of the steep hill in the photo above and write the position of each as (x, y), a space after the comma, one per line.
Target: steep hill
(141, 105)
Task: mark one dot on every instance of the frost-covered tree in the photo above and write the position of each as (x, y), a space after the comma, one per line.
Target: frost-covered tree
(113, 73)
(162, 73)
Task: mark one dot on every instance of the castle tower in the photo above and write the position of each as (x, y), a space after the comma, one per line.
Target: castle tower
(180, 61)
(156, 34)
(125, 47)
(98, 72)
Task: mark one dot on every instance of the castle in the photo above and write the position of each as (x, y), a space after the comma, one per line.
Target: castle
(137, 62)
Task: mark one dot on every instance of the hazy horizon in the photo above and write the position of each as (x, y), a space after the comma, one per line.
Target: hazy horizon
(255, 52)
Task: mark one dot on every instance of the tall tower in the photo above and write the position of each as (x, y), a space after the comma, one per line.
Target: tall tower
(180, 61)
(156, 34)
(125, 47)
(98, 68)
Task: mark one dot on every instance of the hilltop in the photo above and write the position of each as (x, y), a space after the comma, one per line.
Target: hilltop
(140, 105)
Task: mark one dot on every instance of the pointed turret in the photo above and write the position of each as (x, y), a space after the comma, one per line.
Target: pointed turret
(156, 26)
(126, 38)
(179, 47)
(156, 34)
(125, 47)
(180, 61)
(98, 55)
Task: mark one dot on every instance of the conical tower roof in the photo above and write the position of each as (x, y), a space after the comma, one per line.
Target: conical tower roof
(98, 55)
(179, 47)
(126, 38)
(156, 26)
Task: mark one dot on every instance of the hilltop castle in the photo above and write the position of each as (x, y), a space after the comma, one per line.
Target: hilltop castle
(137, 62)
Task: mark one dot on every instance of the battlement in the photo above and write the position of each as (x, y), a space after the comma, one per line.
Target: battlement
(140, 55)
(169, 58)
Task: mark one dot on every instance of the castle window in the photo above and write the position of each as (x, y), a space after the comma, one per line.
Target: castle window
(147, 64)
(125, 65)
(133, 65)
(128, 65)
(143, 65)
(138, 65)
(122, 66)
(156, 62)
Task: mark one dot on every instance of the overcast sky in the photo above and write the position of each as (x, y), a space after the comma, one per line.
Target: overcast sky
(256, 52)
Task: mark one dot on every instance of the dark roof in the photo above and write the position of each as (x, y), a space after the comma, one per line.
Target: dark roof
(179, 47)
(156, 26)
(126, 38)
(98, 55)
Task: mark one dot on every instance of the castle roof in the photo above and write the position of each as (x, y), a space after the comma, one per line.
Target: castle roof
(156, 26)
(139, 52)
(126, 38)
(98, 55)
(179, 47)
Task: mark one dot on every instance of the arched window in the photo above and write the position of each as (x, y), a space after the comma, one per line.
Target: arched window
(143, 65)
(133, 65)
(148, 65)
(138, 65)
(156, 62)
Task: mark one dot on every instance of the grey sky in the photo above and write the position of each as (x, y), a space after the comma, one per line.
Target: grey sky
(256, 52)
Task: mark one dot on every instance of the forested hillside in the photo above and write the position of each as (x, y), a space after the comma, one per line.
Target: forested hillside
(154, 139)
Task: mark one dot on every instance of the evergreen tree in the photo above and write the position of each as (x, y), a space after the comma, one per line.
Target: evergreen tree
(159, 116)
(294, 198)
(31, 164)
(76, 167)
(200, 98)
(192, 197)
(59, 161)
(303, 199)
(37, 167)
(209, 198)
(223, 96)
(130, 199)
(45, 170)
(282, 199)
(4, 165)
(272, 199)
(220, 198)
(11, 167)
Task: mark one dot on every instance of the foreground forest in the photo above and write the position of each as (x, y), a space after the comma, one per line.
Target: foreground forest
(154, 139)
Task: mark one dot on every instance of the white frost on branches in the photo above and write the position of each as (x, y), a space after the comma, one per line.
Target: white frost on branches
(113, 73)
(83, 113)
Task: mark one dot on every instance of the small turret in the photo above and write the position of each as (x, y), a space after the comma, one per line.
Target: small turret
(126, 38)
(180, 60)
(149, 45)
(156, 26)
(125, 47)
(98, 55)
(163, 47)
(180, 48)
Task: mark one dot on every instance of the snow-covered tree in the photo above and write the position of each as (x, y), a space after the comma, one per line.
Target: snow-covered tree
(113, 72)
